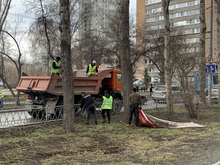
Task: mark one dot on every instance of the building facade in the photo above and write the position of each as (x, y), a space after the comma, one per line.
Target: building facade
(184, 15)
(95, 17)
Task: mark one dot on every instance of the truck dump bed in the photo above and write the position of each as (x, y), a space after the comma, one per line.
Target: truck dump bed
(53, 84)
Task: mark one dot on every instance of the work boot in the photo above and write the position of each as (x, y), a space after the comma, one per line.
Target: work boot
(86, 123)
(137, 125)
(128, 125)
(104, 121)
(109, 122)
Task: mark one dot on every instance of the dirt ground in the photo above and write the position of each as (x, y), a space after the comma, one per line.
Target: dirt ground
(114, 143)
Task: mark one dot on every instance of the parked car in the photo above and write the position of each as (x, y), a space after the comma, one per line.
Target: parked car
(159, 93)
(154, 83)
(143, 99)
(214, 91)
(138, 83)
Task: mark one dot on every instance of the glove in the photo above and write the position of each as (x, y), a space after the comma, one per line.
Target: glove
(96, 74)
(86, 74)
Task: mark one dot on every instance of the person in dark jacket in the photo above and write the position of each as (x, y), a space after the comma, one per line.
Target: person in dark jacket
(89, 106)
(55, 67)
(135, 101)
(106, 106)
(151, 89)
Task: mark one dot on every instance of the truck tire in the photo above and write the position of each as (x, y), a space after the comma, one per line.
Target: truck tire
(37, 114)
(82, 113)
(58, 111)
(117, 105)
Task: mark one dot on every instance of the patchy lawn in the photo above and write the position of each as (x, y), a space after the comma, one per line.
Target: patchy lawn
(111, 143)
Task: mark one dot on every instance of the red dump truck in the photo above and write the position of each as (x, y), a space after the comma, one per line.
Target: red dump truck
(48, 91)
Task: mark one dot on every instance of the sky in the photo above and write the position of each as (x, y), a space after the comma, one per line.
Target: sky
(24, 21)
(133, 7)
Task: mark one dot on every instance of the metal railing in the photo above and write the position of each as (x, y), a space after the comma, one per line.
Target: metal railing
(19, 117)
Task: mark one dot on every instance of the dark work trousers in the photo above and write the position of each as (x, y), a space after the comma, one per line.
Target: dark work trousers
(108, 114)
(1, 103)
(134, 110)
(91, 109)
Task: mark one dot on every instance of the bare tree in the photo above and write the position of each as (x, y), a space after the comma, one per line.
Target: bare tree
(202, 54)
(165, 4)
(68, 114)
(4, 8)
(44, 31)
(17, 63)
(125, 58)
(185, 69)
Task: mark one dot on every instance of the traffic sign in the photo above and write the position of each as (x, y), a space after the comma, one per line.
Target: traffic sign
(209, 59)
(210, 69)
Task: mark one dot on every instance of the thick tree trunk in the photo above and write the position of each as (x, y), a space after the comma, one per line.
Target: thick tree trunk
(167, 56)
(202, 74)
(218, 45)
(126, 68)
(67, 76)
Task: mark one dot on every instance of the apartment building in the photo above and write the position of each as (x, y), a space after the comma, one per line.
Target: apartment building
(95, 15)
(184, 14)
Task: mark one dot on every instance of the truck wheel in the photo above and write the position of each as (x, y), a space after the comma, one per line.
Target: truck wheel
(83, 113)
(58, 111)
(117, 105)
(76, 108)
(37, 114)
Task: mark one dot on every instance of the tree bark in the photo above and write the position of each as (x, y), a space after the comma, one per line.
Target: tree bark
(125, 58)
(4, 8)
(67, 75)
(218, 46)
(165, 4)
(202, 77)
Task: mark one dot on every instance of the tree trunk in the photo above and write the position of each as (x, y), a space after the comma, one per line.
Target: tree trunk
(202, 77)
(67, 76)
(126, 68)
(167, 56)
(5, 6)
(218, 46)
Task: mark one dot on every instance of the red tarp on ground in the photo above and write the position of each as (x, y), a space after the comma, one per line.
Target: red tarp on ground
(143, 120)
(150, 121)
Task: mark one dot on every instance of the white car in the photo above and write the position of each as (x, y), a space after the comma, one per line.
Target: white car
(214, 91)
(159, 93)
(138, 82)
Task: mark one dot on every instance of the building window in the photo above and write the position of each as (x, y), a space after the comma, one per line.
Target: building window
(171, 7)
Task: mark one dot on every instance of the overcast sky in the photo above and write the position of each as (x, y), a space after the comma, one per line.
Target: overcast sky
(133, 7)
(17, 12)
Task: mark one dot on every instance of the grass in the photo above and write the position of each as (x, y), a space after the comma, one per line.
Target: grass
(109, 143)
